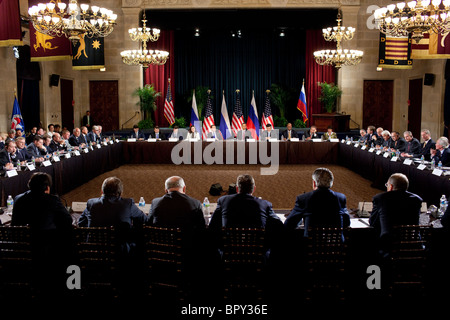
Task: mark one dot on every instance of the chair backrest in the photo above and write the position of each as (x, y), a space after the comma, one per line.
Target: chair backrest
(15, 243)
(162, 245)
(410, 241)
(326, 242)
(95, 244)
(243, 245)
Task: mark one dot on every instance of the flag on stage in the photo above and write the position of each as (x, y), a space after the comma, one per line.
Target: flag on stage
(225, 127)
(301, 104)
(169, 111)
(267, 114)
(238, 117)
(16, 118)
(44, 47)
(395, 52)
(10, 29)
(208, 122)
(252, 120)
(88, 54)
(194, 115)
(431, 46)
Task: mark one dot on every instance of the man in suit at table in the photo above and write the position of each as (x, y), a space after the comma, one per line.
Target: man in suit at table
(36, 149)
(321, 207)
(21, 149)
(412, 145)
(289, 133)
(442, 152)
(83, 135)
(269, 133)
(214, 134)
(312, 133)
(244, 133)
(76, 139)
(427, 145)
(176, 134)
(136, 133)
(8, 155)
(395, 207)
(93, 135)
(243, 210)
(157, 134)
(397, 143)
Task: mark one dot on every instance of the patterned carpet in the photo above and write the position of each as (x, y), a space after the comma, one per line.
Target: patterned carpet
(281, 189)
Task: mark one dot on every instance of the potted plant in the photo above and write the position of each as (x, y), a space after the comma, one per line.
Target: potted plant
(328, 95)
(147, 100)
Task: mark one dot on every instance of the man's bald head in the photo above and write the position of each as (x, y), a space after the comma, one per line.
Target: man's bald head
(175, 183)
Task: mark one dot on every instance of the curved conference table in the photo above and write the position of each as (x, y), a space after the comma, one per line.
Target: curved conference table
(72, 172)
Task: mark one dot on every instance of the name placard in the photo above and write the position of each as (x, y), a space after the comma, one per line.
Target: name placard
(210, 139)
(356, 145)
(47, 163)
(86, 150)
(131, 140)
(393, 158)
(67, 155)
(334, 140)
(30, 166)
(421, 166)
(371, 150)
(364, 148)
(407, 162)
(295, 139)
(105, 143)
(250, 140)
(317, 140)
(349, 142)
(437, 172)
(98, 146)
(77, 153)
(11, 173)
(151, 140)
(111, 142)
(173, 139)
(56, 159)
(386, 154)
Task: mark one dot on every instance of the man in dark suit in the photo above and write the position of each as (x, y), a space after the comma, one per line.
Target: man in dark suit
(30, 137)
(93, 135)
(51, 231)
(321, 207)
(412, 145)
(8, 156)
(269, 133)
(395, 207)
(176, 134)
(21, 150)
(243, 210)
(289, 133)
(56, 144)
(312, 133)
(157, 134)
(442, 152)
(214, 133)
(397, 143)
(36, 149)
(84, 135)
(387, 140)
(136, 133)
(87, 120)
(243, 134)
(427, 145)
(76, 139)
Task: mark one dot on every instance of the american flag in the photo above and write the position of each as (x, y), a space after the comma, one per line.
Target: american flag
(238, 117)
(169, 112)
(267, 114)
(208, 122)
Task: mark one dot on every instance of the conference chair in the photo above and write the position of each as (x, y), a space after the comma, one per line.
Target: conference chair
(163, 258)
(409, 261)
(15, 262)
(325, 265)
(96, 254)
(244, 259)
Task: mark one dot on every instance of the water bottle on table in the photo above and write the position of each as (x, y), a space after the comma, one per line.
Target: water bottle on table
(9, 204)
(205, 207)
(141, 202)
(443, 205)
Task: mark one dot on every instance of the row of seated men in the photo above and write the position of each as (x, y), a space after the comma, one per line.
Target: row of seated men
(52, 225)
(408, 146)
(244, 134)
(16, 149)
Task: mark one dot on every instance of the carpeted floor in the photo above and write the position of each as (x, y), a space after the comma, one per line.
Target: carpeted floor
(281, 189)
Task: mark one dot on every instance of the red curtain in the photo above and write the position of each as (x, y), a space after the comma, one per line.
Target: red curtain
(159, 75)
(10, 30)
(316, 73)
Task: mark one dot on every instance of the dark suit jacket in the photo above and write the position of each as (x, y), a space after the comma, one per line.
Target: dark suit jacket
(22, 154)
(393, 208)
(91, 121)
(241, 135)
(413, 147)
(314, 136)
(162, 136)
(386, 143)
(425, 152)
(265, 135)
(33, 151)
(140, 135)
(217, 135)
(5, 158)
(399, 145)
(319, 208)
(285, 134)
(76, 141)
(443, 156)
(246, 211)
(92, 137)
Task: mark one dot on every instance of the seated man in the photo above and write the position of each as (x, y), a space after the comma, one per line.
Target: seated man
(8, 155)
(36, 149)
(269, 133)
(387, 141)
(321, 207)
(289, 133)
(21, 149)
(243, 134)
(65, 135)
(412, 145)
(176, 134)
(56, 144)
(30, 137)
(377, 137)
(51, 230)
(397, 143)
(312, 133)
(112, 210)
(243, 210)
(329, 134)
(76, 139)
(395, 207)
(157, 134)
(362, 136)
(442, 152)
(214, 133)
(93, 136)
(136, 133)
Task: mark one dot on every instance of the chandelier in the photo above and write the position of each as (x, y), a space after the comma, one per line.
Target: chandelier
(143, 56)
(57, 19)
(415, 18)
(339, 57)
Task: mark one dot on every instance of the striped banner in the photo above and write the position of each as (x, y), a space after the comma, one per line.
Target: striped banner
(395, 52)
(432, 46)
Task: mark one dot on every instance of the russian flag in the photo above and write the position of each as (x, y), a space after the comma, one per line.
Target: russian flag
(225, 127)
(301, 104)
(194, 115)
(252, 120)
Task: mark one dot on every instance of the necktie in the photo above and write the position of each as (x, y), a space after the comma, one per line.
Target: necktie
(289, 135)
(424, 144)
(157, 135)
